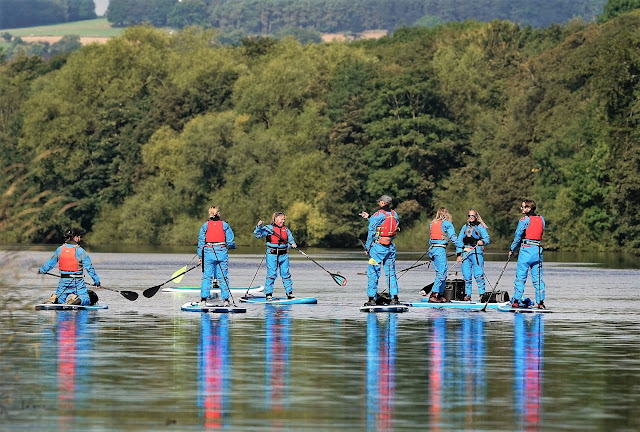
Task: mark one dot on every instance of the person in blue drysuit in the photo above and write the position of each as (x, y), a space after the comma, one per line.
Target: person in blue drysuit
(470, 245)
(72, 260)
(441, 231)
(279, 239)
(528, 237)
(383, 226)
(214, 241)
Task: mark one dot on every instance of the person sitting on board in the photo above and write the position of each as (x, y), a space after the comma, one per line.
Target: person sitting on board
(279, 239)
(214, 241)
(441, 231)
(528, 236)
(383, 226)
(470, 245)
(71, 260)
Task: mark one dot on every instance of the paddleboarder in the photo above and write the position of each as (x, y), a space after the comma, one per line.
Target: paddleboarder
(214, 241)
(279, 240)
(470, 245)
(441, 231)
(383, 226)
(72, 260)
(528, 237)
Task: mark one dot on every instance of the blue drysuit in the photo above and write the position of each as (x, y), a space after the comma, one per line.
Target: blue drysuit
(277, 257)
(438, 254)
(381, 254)
(72, 282)
(215, 261)
(530, 257)
(472, 256)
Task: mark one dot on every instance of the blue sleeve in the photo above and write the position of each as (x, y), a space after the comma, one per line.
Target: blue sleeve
(485, 234)
(374, 222)
(290, 236)
(228, 236)
(201, 238)
(459, 244)
(262, 231)
(51, 262)
(83, 258)
(450, 231)
(517, 238)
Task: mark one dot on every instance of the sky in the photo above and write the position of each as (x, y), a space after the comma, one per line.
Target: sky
(101, 6)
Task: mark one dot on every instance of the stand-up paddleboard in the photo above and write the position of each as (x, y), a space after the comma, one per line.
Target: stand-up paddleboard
(529, 309)
(385, 308)
(211, 308)
(56, 306)
(279, 300)
(235, 291)
(459, 305)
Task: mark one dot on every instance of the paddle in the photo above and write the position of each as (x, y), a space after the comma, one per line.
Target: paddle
(254, 276)
(129, 295)
(339, 279)
(224, 276)
(179, 274)
(484, 309)
(150, 292)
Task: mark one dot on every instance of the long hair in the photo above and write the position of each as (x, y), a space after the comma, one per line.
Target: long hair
(479, 218)
(443, 214)
(213, 212)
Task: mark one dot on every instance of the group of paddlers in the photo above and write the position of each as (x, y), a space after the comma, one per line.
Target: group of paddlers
(216, 238)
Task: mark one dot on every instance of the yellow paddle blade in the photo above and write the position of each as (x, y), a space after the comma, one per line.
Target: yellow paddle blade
(179, 278)
(373, 262)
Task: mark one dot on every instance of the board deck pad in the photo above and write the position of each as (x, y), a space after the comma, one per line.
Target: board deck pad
(385, 308)
(458, 305)
(57, 306)
(234, 290)
(534, 310)
(211, 308)
(279, 300)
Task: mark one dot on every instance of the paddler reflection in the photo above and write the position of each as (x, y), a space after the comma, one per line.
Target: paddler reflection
(277, 352)
(214, 370)
(381, 358)
(528, 354)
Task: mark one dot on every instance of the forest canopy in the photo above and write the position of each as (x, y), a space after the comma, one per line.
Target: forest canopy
(133, 140)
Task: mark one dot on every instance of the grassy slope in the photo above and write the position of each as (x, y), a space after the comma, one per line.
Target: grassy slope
(99, 27)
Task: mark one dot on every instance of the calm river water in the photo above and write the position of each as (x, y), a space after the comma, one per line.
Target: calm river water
(147, 366)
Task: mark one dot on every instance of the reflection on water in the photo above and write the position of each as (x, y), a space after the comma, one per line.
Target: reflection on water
(527, 370)
(381, 357)
(276, 361)
(215, 364)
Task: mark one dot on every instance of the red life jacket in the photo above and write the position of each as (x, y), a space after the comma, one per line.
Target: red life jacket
(215, 232)
(68, 260)
(535, 229)
(435, 231)
(389, 226)
(282, 231)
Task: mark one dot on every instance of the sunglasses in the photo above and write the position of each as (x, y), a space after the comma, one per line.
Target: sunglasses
(473, 216)
(279, 214)
(524, 207)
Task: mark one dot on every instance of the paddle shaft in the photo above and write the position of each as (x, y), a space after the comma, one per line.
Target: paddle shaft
(150, 292)
(224, 276)
(124, 293)
(256, 274)
(484, 309)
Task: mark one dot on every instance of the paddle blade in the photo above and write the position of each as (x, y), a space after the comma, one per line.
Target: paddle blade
(339, 279)
(129, 295)
(150, 292)
(180, 274)
(427, 289)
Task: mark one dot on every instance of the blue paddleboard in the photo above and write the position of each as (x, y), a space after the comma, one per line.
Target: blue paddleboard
(459, 305)
(508, 308)
(234, 290)
(195, 307)
(385, 308)
(279, 300)
(50, 306)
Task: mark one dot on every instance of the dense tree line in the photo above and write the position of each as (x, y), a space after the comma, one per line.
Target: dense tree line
(134, 139)
(268, 17)
(28, 13)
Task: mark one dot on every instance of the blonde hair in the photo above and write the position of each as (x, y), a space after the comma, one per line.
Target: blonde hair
(443, 214)
(275, 215)
(214, 211)
(479, 218)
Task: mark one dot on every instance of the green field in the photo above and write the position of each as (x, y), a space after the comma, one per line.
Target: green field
(99, 27)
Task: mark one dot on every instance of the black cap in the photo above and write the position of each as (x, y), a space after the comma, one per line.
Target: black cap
(69, 234)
